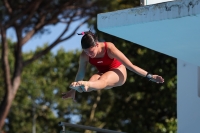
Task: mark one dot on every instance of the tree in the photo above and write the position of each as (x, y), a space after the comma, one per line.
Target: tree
(29, 18)
(38, 100)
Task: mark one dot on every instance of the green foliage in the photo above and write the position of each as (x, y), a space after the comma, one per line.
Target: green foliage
(39, 96)
(107, 5)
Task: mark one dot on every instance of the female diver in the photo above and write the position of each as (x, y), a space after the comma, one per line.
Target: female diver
(111, 64)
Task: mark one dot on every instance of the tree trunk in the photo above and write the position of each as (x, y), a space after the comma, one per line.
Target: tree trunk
(11, 84)
(98, 98)
(5, 107)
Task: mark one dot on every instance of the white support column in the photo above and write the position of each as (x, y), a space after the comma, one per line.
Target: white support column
(188, 100)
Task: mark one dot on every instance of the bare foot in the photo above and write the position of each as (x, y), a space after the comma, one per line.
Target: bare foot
(76, 86)
(84, 85)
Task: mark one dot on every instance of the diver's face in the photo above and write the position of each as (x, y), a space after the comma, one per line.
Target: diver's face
(91, 52)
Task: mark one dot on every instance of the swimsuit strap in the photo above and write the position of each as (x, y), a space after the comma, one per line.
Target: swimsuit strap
(105, 47)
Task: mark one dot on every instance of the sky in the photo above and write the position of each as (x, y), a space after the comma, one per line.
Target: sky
(70, 44)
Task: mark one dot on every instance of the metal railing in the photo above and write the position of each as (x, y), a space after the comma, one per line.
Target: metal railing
(63, 124)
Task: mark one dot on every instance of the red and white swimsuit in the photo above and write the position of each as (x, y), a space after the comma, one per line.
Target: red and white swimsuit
(104, 64)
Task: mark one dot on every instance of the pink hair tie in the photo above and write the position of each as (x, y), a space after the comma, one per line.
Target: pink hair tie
(82, 33)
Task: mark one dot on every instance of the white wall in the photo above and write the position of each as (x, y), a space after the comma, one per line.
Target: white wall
(188, 100)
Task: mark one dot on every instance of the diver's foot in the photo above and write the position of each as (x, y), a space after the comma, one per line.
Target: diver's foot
(84, 85)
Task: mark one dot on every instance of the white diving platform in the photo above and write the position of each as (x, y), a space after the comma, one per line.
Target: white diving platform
(166, 27)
